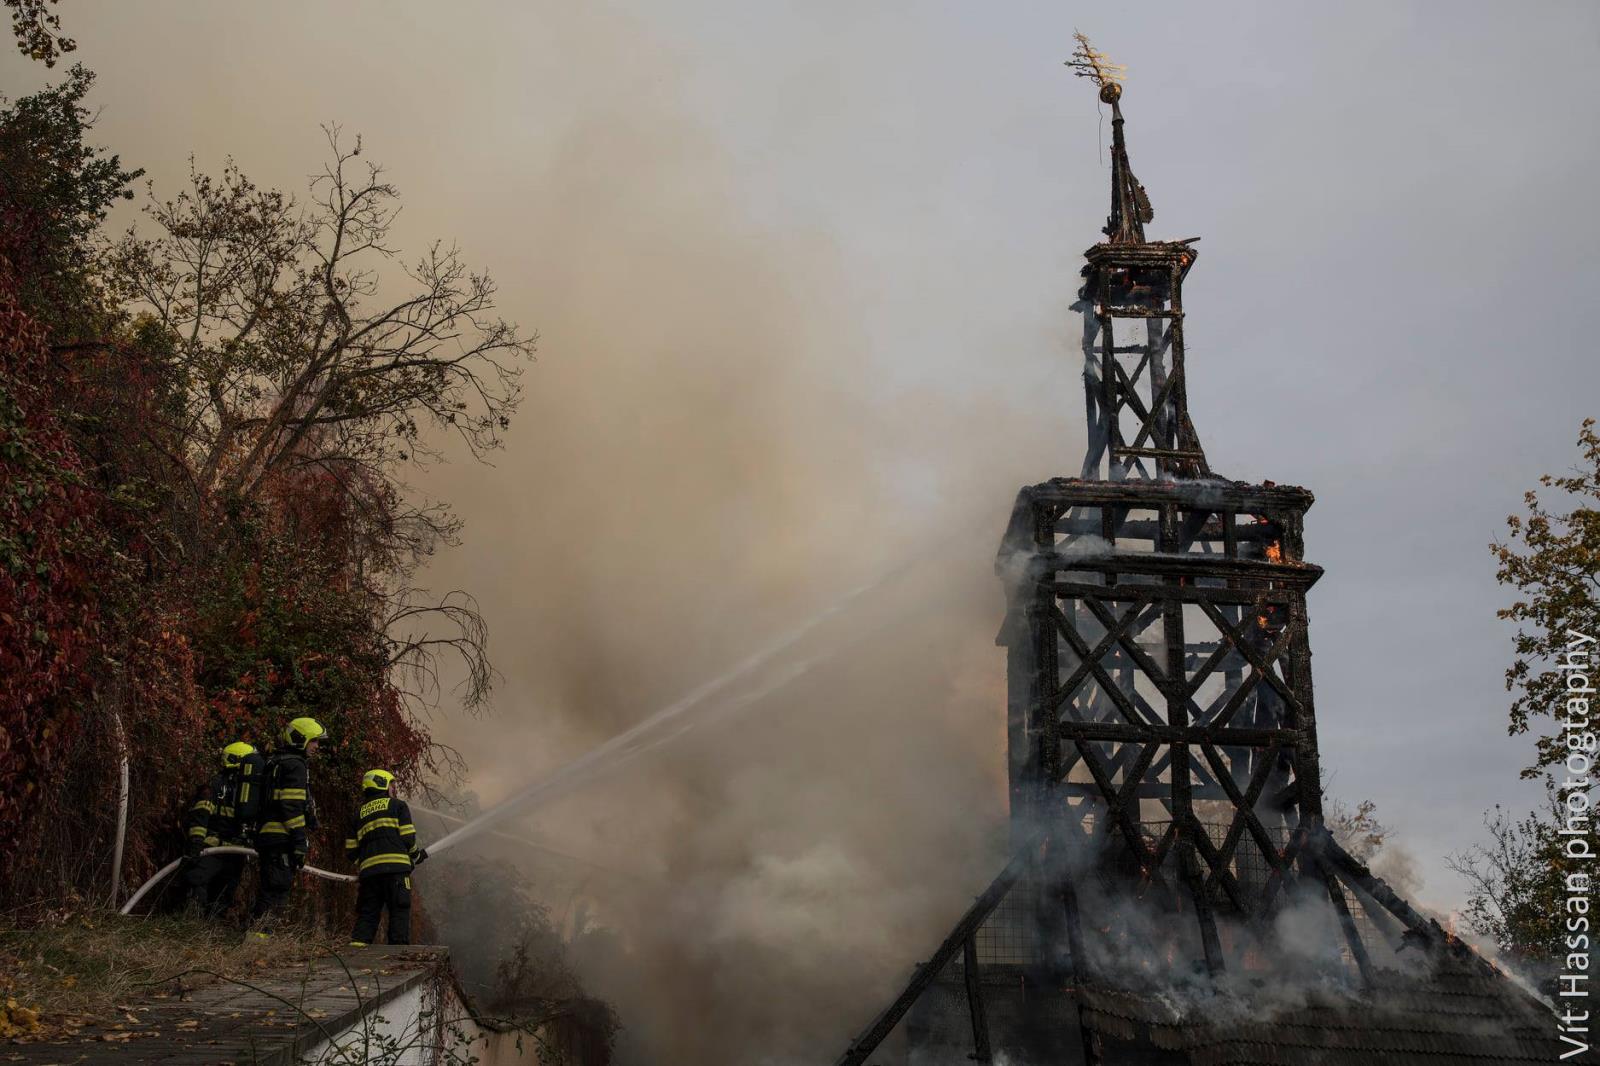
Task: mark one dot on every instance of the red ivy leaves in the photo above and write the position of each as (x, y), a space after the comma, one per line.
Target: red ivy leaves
(53, 555)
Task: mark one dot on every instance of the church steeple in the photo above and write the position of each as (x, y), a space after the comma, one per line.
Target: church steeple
(1130, 206)
(1132, 303)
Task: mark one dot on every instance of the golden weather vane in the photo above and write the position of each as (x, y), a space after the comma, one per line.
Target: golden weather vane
(1088, 63)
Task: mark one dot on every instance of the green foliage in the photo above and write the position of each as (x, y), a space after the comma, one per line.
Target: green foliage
(55, 190)
(38, 30)
(1553, 561)
(1517, 880)
(1517, 885)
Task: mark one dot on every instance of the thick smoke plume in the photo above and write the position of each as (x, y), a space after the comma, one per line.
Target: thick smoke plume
(714, 451)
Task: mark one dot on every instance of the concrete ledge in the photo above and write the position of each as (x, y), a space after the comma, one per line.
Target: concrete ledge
(271, 1017)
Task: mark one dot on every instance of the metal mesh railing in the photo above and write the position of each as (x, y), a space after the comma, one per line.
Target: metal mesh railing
(1010, 936)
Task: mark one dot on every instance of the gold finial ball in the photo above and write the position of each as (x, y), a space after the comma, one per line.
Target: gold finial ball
(1110, 92)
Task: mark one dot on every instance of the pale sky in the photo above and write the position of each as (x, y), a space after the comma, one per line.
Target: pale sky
(857, 228)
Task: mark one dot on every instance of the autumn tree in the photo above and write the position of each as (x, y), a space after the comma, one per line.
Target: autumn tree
(55, 190)
(79, 627)
(317, 364)
(1357, 829)
(1516, 885)
(1516, 880)
(37, 29)
(1552, 560)
(204, 528)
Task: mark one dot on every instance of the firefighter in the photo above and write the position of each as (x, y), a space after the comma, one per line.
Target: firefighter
(287, 813)
(228, 810)
(198, 870)
(383, 845)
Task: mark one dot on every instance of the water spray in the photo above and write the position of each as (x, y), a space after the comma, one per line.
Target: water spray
(678, 717)
(660, 728)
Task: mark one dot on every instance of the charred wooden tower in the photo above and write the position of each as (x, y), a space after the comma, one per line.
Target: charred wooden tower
(1166, 800)
(1158, 661)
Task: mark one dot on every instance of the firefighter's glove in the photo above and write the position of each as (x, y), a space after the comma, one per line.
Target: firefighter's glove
(419, 858)
(194, 848)
(298, 860)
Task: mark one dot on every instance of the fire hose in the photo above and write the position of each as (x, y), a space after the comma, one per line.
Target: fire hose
(225, 849)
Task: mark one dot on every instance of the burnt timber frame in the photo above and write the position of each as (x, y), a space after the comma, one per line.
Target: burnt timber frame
(1134, 363)
(1158, 662)
(1121, 720)
(1137, 283)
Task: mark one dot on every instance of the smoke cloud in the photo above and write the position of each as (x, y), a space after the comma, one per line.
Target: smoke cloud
(712, 453)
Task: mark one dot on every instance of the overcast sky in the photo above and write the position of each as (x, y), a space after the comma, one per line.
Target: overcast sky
(860, 226)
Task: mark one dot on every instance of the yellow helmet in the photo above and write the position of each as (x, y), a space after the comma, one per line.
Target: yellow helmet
(303, 731)
(378, 779)
(234, 752)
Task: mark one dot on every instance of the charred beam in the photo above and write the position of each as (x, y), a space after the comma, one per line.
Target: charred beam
(865, 1044)
(980, 1021)
(1178, 735)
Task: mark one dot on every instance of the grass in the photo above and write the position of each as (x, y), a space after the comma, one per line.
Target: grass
(64, 967)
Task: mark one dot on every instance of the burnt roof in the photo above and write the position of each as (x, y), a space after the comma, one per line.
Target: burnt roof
(1451, 1015)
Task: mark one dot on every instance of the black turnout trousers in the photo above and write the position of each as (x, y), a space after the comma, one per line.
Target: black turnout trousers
(212, 881)
(377, 892)
(277, 879)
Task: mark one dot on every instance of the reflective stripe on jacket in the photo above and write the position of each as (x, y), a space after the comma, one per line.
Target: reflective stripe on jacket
(286, 804)
(202, 820)
(382, 839)
(246, 785)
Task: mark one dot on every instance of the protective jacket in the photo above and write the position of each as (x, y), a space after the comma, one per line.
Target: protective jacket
(236, 801)
(202, 820)
(286, 807)
(382, 839)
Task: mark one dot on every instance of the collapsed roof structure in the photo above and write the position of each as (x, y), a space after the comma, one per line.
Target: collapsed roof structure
(1175, 895)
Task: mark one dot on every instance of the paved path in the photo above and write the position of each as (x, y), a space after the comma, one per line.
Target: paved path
(202, 1021)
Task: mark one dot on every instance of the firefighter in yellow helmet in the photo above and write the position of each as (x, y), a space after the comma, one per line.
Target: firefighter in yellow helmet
(287, 814)
(224, 813)
(383, 845)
